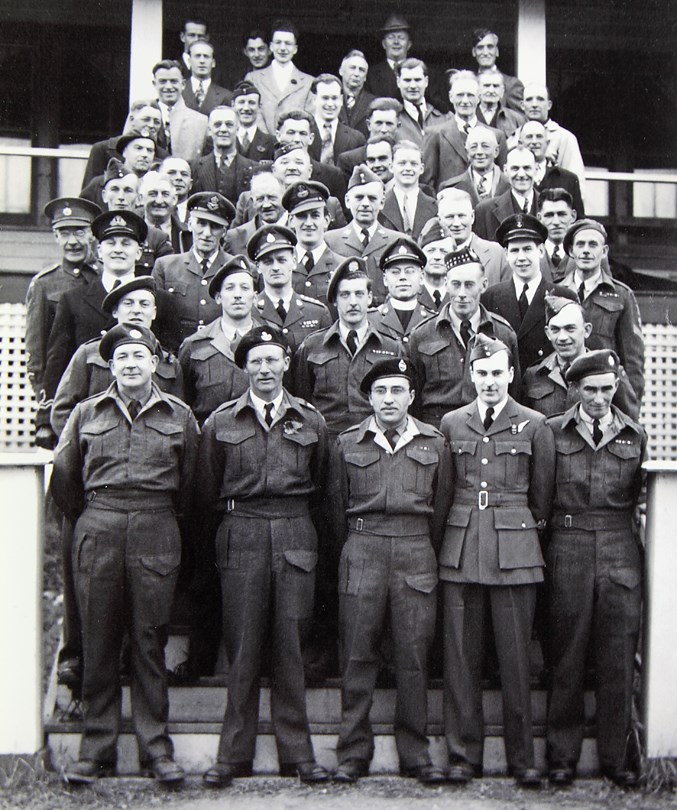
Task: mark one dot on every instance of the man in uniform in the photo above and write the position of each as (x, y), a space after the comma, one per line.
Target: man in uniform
(435, 241)
(271, 249)
(545, 387)
(123, 471)
(388, 535)
(440, 347)
(594, 571)
(609, 305)
(263, 467)
(402, 265)
(71, 224)
(187, 275)
(491, 561)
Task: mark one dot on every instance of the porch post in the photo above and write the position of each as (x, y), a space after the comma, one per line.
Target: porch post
(145, 47)
(530, 41)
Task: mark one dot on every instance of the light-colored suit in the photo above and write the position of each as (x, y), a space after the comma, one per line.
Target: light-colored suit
(391, 215)
(188, 130)
(275, 101)
(492, 256)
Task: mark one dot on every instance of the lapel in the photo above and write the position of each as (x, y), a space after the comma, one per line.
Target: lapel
(506, 418)
(391, 212)
(192, 264)
(326, 264)
(473, 421)
(454, 138)
(94, 294)
(296, 82)
(535, 314)
(378, 240)
(425, 209)
(351, 239)
(220, 342)
(208, 171)
(390, 319)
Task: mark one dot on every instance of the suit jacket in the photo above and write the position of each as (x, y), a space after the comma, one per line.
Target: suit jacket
(563, 149)
(465, 182)
(429, 302)
(205, 175)
(346, 242)
(557, 177)
(410, 130)
(532, 342)
(492, 256)
(444, 153)
(188, 130)
(345, 140)
(505, 119)
(490, 213)
(514, 92)
(348, 160)
(216, 96)
(391, 215)
(260, 148)
(237, 238)
(382, 81)
(357, 116)
(332, 177)
(102, 151)
(274, 102)
(552, 273)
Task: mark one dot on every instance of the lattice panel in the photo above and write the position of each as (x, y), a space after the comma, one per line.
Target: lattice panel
(17, 403)
(659, 406)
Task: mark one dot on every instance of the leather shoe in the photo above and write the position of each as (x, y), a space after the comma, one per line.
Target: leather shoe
(86, 771)
(69, 673)
(350, 771)
(221, 774)
(528, 778)
(310, 773)
(622, 777)
(428, 774)
(460, 773)
(561, 777)
(165, 770)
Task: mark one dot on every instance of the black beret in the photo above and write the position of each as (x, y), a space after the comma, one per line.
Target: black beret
(124, 140)
(270, 237)
(71, 211)
(238, 264)
(602, 361)
(581, 225)
(212, 206)
(127, 333)
(392, 367)
(259, 336)
(123, 223)
(402, 249)
(521, 226)
(305, 195)
(353, 264)
(138, 283)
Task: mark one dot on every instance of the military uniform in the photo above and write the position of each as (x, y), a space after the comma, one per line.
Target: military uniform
(315, 282)
(594, 576)
(305, 317)
(385, 321)
(491, 561)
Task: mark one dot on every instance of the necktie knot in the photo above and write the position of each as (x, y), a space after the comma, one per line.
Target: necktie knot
(351, 341)
(488, 418)
(205, 265)
(308, 261)
(391, 436)
(281, 310)
(465, 332)
(246, 141)
(596, 431)
(133, 409)
(268, 413)
(437, 298)
(556, 256)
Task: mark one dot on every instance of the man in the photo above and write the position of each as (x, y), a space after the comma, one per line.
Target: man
(563, 148)
(405, 207)
(187, 275)
(378, 156)
(609, 305)
(282, 85)
(435, 242)
(594, 571)
(123, 472)
(383, 120)
(491, 561)
(402, 264)
(306, 204)
(296, 316)
(252, 143)
(364, 236)
(201, 92)
(71, 220)
(396, 42)
(266, 204)
(490, 111)
(390, 533)
(184, 129)
(194, 30)
(456, 213)
(181, 176)
(255, 49)
(444, 152)
(356, 100)
(545, 387)
(556, 211)
(335, 137)
(224, 170)
(137, 152)
(485, 52)
(534, 136)
(144, 117)
(440, 348)
(522, 197)
(521, 300)
(482, 179)
(157, 197)
(418, 116)
(330, 364)
(263, 468)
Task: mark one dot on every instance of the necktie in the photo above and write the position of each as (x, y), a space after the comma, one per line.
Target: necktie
(556, 256)
(205, 265)
(281, 311)
(596, 432)
(488, 419)
(308, 261)
(437, 298)
(350, 102)
(465, 332)
(246, 142)
(391, 437)
(327, 153)
(581, 292)
(420, 114)
(351, 341)
(523, 302)
(365, 238)
(525, 207)
(133, 409)
(116, 284)
(482, 187)
(466, 130)
(406, 219)
(168, 135)
(200, 93)
(268, 415)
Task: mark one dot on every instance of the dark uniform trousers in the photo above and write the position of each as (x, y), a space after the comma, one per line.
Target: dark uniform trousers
(593, 578)
(490, 564)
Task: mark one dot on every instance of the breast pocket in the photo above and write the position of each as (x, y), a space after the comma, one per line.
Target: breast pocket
(297, 448)
(514, 458)
(235, 441)
(623, 460)
(325, 371)
(571, 466)
(163, 439)
(178, 288)
(424, 464)
(364, 472)
(463, 453)
(607, 311)
(100, 440)
(436, 358)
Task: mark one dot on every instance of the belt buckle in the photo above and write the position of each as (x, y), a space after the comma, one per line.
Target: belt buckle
(359, 524)
(230, 504)
(483, 500)
(567, 521)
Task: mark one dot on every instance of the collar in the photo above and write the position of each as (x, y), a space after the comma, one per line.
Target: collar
(274, 298)
(404, 435)
(210, 259)
(442, 289)
(531, 290)
(412, 109)
(316, 253)
(259, 405)
(589, 283)
(476, 176)
(402, 195)
(283, 72)
(455, 321)
(403, 306)
(588, 420)
(461, 122)
(541, 169)
(157, 397)
(550, 249)
(108, 279)
(194, 83)
(522, 198)
(482, 407)
(361, 332)
(371, 229)
(320, 124)
(229, 330)
(242, 131)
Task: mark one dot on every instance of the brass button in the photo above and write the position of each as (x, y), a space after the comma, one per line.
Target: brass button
(486, 440)
(485, 461)
(483, 484)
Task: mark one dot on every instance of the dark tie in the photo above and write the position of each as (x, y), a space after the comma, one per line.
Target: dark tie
(133, 408)
(466, 332)
(525, 207)
(246, 142)
(350, 102)
(391, 437)
(482, 187)
(365, 238)
(116, 284)
(556, 256)
(281, 311)
(488, 419)
(466, 130)
(581, 292)
(308, 261)
(200, 93)
(420, 116)
(205, 266)
(596, 432)
(523, 302)
(437, 298)
(268, 413)
(351, 341)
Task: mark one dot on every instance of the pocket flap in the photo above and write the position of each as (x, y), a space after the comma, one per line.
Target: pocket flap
(319, 358)
(433, 347)
(97, 427)
(627, 577)
(425, 583)
(300, 558)
(459, 516)
(514, 519)
(362, 459)
(162, 564)
(463, 447)
(513, 448)
(166, 428)
(570, 445)
(234, 436)
(166, 371)
(421, 455)
(177, 287)
(539, 391)
(611, 303)
(622, 450)
(204, 351)
(304, 437)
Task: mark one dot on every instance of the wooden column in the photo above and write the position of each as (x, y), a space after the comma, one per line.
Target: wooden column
(145, 47)
(530, 43)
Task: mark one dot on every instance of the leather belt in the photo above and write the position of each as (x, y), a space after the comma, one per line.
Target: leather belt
(593, 521)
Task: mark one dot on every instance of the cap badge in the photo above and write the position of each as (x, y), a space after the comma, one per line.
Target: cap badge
(353, 267)
(302, 192)
(402, 249)
(611, 361)
(519, 222)
(118, 221)
(266, 336)
(402, 366)
(67, 212)
(270, 237)
(213, 203)
(134, 333)
(363, 179)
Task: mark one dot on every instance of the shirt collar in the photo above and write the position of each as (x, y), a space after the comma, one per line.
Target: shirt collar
(229, 330)
(361, 332)
(259, 405)
(371, 229)
(412, 109)
(589, 283)
(108, 279)
(531, 290)
(455, 321)
(316, 253)
(195, 83)
(482, 407)
(461, 123)
(210, 258)
(405, 435)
